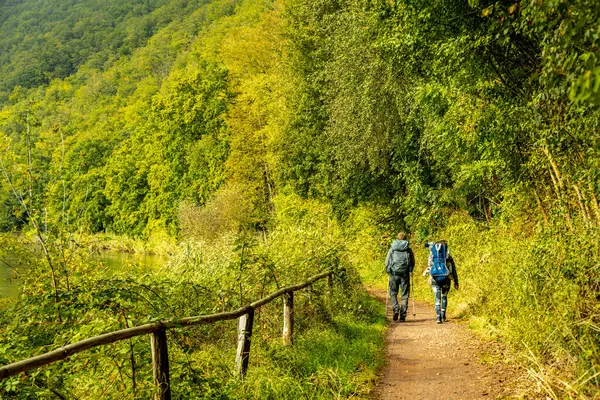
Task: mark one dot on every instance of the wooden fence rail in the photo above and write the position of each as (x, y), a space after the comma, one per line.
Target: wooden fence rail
(157, 330)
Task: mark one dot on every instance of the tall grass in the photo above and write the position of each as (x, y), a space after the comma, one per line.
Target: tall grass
(338, 336)
(538, 288)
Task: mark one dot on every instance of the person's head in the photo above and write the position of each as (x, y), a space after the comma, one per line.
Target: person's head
(401, 236)
(443, 242)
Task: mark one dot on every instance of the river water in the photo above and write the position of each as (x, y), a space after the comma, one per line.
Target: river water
(9, 286)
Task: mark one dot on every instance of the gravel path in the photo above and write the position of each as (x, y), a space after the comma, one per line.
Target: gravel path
(418, 366)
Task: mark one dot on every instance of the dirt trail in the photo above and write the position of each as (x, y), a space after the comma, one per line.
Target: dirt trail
(417, 367)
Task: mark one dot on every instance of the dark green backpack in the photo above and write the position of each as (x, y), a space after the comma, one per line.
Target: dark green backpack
(399, 265)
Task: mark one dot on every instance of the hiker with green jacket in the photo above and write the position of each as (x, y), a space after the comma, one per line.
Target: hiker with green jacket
(399, 264)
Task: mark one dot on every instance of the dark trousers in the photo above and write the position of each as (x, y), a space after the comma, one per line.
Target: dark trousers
(399, 283)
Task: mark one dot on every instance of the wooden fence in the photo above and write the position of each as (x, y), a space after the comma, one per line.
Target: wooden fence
(158, 339)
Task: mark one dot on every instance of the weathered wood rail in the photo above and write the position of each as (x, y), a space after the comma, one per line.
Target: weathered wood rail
(157, 330)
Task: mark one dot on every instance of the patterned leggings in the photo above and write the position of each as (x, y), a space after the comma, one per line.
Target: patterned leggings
(440, 290)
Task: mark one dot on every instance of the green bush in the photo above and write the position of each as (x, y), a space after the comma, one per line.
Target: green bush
(338, 333)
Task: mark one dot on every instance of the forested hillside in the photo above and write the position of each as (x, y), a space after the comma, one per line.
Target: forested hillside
(45, 40)
(255, 125)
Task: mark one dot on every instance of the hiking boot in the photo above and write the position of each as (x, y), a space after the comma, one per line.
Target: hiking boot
(439, 319)
(402, 318)
(444, 317)
(395, 316)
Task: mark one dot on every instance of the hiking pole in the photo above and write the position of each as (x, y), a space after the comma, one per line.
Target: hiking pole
(387, 297)
(412, 289)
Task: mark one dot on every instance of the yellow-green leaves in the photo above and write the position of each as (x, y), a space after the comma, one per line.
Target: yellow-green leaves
(487, 11)
(586, 86)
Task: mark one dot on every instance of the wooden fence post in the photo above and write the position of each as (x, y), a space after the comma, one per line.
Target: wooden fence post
(160, 364)
(330, 285)
(288, 318)
(243, 351)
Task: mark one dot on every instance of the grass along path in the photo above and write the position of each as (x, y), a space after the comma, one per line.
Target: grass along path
(425, 360)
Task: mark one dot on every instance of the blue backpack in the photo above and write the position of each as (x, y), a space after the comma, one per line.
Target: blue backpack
(439, 271)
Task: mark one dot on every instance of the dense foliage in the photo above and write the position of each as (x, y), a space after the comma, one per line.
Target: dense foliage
(477, 120)
(45, 40)
(338, 335)
(482, 110)
(433, 105)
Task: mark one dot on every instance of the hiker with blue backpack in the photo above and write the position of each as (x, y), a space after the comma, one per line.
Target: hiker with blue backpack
(399, 265)
(442, 271)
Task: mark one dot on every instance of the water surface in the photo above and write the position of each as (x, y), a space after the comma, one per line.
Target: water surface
(8, 283)
(114, 260)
